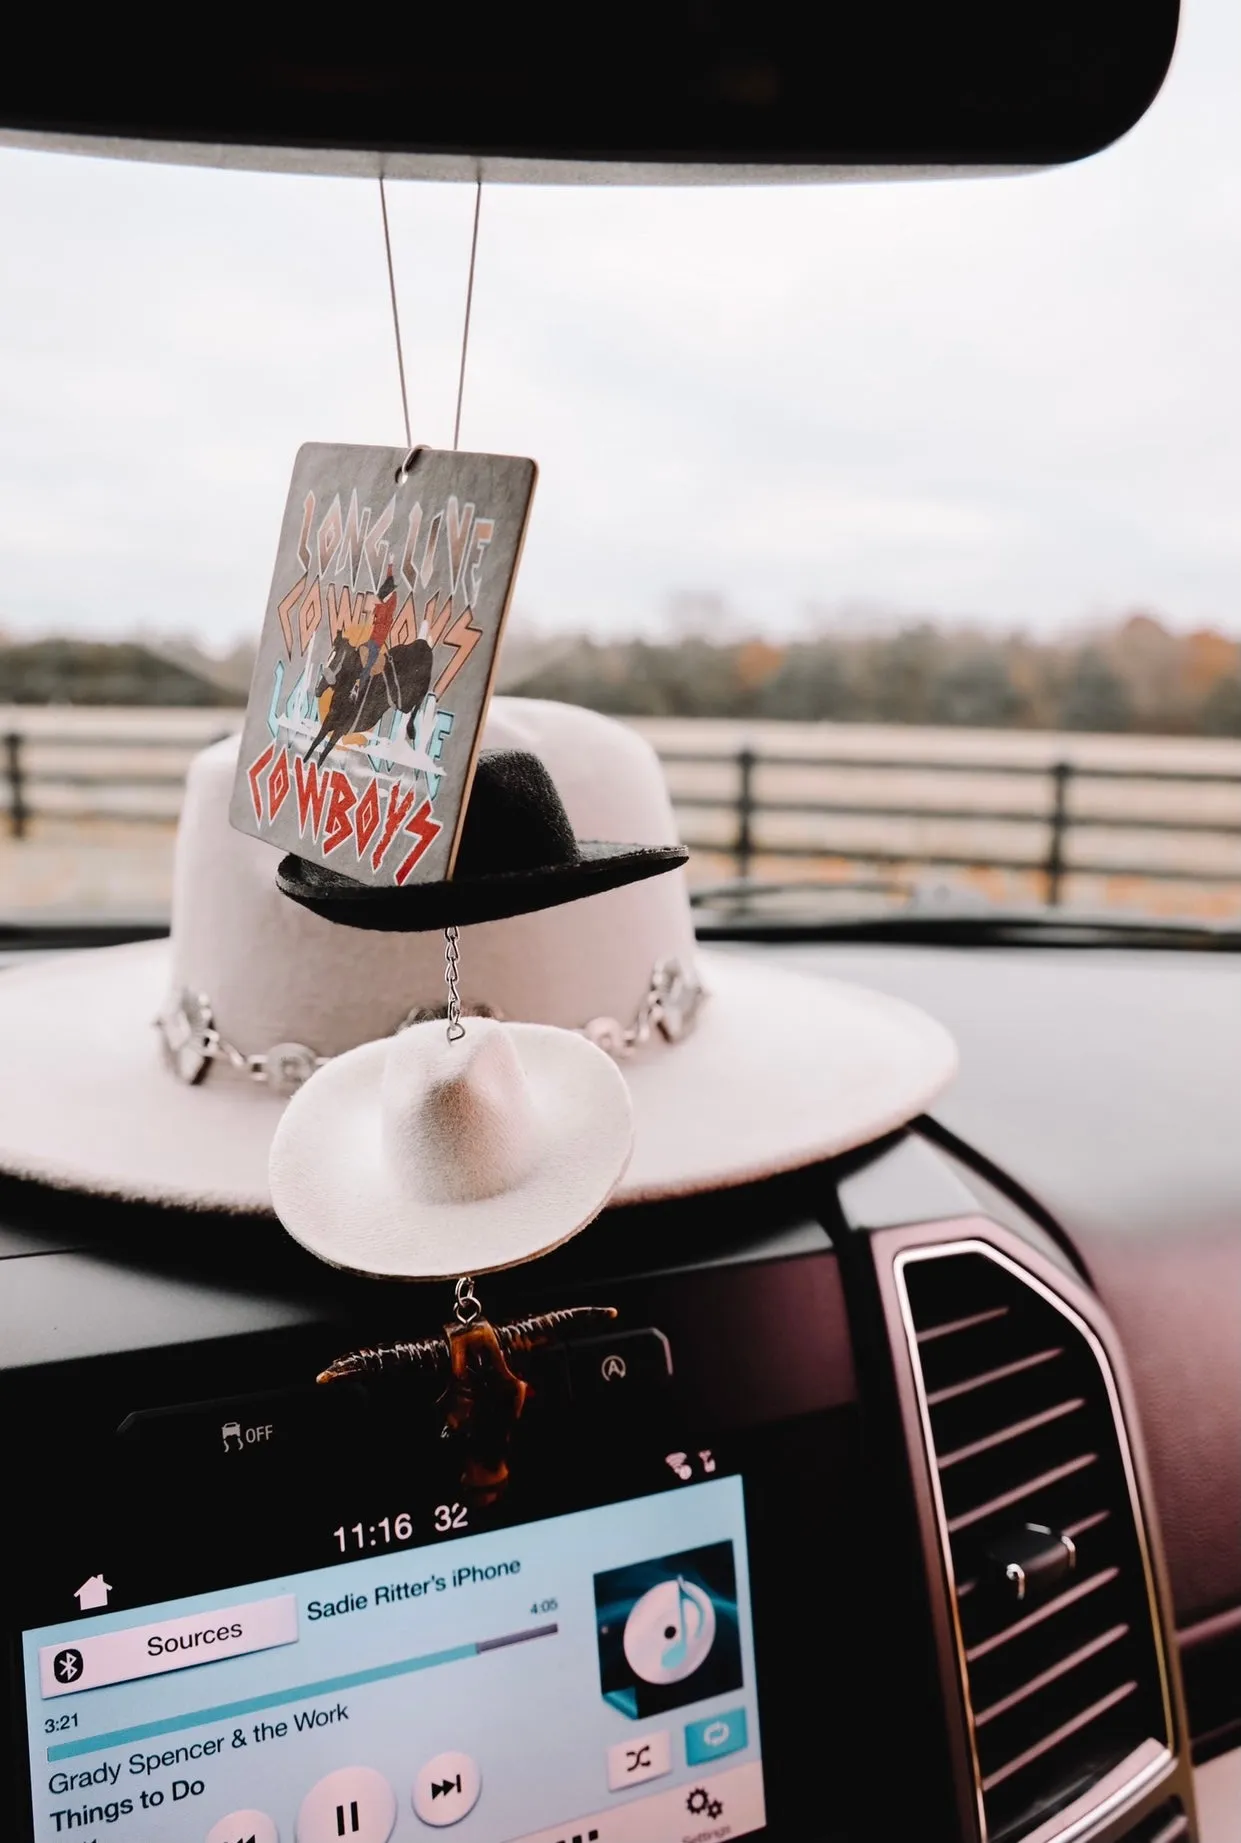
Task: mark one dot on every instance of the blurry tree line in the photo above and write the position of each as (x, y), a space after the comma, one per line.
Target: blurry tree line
(67, 671)
(1136, 676)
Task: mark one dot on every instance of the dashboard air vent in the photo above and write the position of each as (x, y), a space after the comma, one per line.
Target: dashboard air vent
(1060, 1653)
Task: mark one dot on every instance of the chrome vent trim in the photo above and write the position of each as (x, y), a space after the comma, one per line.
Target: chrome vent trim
(1148, 1762)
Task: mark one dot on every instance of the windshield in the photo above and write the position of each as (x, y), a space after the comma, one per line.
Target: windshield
(899, 517)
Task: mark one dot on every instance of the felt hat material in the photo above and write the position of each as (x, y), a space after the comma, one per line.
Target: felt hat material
(416, 1158)
(780, 1069)
(517, 854)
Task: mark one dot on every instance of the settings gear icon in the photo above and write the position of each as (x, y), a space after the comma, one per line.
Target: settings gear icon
(701, 1804)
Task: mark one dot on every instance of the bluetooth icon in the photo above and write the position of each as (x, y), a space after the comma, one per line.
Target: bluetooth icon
(67, 1666)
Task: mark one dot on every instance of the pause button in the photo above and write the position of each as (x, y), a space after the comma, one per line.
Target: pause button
(355, 1803)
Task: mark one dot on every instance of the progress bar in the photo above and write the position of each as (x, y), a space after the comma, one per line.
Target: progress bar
(330, 1686)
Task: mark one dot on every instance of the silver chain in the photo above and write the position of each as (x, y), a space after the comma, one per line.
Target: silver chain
(192, 1041)
(671, 1006)
(452, 971)
(466, 1303)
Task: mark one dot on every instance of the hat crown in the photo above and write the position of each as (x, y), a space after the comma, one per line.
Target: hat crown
(457, 1120)
(515, 819)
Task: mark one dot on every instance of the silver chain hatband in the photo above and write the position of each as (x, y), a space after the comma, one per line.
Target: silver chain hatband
(192, 1042)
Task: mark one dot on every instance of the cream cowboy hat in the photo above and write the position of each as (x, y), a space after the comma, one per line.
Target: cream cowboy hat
(736, 1069)
(420, 1156)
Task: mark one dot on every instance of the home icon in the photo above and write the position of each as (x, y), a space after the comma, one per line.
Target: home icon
(93, 1593)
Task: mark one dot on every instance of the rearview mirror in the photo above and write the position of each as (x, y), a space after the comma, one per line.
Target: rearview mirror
(704, 89)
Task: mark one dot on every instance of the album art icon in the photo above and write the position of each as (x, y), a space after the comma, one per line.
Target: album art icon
(668, 1631)
(377, 656)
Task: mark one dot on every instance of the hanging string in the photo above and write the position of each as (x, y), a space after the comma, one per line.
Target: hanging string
(396, 318)
(455, 1028)
(469, 302)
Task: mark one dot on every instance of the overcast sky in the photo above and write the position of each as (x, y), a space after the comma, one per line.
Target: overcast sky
(1015, 401)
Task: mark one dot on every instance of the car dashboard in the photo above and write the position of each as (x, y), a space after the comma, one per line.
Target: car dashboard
(900, 1497)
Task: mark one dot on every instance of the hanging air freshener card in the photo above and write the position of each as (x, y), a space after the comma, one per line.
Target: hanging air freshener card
(392, 582)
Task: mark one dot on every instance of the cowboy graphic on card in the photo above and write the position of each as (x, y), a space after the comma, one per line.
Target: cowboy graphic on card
(393, 577)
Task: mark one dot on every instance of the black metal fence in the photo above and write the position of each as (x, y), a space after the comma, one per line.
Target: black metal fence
(105, 762)
(133, 767)
(1059, 816)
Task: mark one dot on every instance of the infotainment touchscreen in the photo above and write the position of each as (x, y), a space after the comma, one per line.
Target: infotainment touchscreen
(586, 1678)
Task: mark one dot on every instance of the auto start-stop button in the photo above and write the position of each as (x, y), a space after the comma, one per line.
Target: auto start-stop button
(619, 1367)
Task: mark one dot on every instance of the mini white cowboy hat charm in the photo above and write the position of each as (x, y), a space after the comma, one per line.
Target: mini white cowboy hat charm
(419, 1157)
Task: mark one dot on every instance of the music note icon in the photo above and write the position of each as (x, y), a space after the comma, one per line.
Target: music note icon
(670, 1631)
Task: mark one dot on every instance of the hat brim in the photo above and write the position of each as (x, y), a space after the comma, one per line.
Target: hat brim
(335, 1193)
(420, 907)
(781, 1070)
